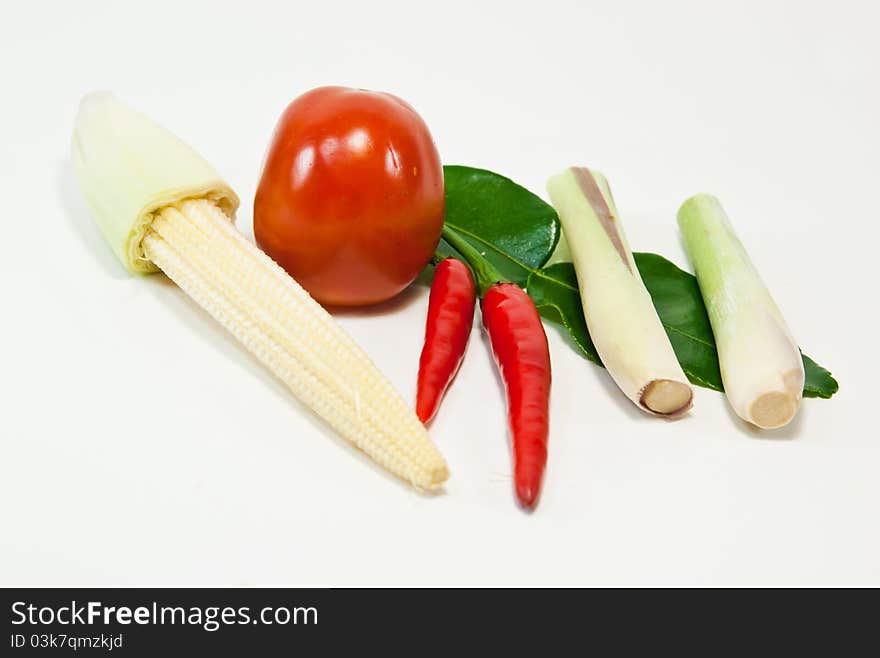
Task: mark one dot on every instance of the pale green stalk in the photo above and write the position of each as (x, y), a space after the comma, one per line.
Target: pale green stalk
(761, 365)
(620, 315)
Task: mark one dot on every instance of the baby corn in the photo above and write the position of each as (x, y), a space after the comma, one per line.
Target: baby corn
(183, 228)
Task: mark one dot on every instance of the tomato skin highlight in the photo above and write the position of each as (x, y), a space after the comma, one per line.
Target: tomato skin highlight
(351, 199)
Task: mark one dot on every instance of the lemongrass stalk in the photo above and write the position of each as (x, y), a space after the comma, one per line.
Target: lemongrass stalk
(761, 365)
(620, 315)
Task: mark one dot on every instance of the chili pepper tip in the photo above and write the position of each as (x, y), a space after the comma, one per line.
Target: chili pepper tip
(527, 493)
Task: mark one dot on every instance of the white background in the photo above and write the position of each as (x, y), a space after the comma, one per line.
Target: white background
(141, 446)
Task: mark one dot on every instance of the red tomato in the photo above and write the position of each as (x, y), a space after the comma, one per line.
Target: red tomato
(351, 199)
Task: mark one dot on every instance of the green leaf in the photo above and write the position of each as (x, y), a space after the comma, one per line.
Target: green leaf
(679, 304)
(554, 291)
(515, 230)
(819, 382)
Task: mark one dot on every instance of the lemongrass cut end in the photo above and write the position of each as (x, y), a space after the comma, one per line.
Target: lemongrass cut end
(774, 409)
(667, 397)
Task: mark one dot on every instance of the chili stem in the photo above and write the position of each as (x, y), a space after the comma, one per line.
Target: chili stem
(484, 272)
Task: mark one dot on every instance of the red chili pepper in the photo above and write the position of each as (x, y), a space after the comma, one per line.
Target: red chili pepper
(450, 318)
(523, 357)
